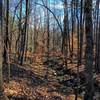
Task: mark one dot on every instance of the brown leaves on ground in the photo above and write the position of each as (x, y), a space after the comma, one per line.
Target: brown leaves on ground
(41, 92)
(72, 97)
(21, 89)
(12, 88)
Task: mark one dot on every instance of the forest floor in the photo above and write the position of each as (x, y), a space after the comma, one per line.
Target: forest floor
(46, 80)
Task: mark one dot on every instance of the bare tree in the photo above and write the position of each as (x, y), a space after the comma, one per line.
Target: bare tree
(1, 46)
(23, 39)
(89, 49)
(2, 96)
(97, 58)
(6, 37)
(65, 32)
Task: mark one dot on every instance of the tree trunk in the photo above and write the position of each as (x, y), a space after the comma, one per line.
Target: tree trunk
(2, 96)
(6, 37)
(97, 58)
(89, 50)
(65, 33)
(1, 46)
(24, 35)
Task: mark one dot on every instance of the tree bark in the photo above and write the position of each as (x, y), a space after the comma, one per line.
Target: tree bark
(6, 37)
(89, 50)
(2, 96)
